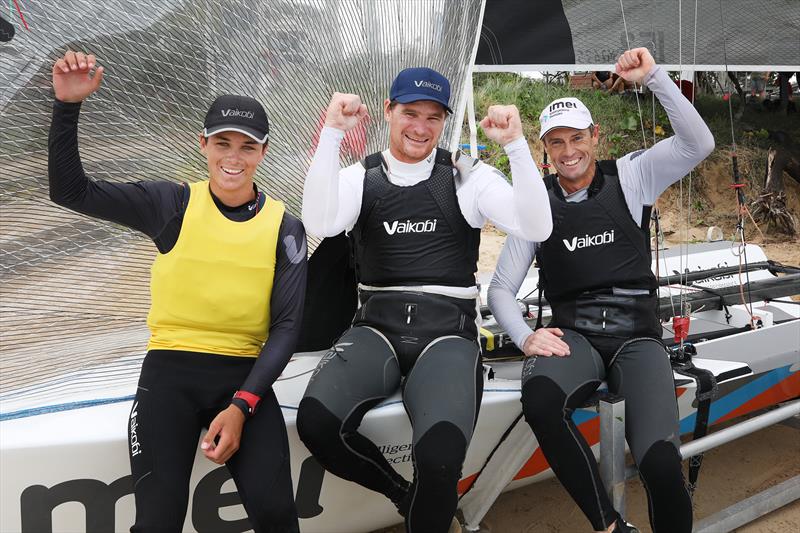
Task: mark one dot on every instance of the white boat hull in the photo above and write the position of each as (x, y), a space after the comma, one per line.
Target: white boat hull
(64, 463)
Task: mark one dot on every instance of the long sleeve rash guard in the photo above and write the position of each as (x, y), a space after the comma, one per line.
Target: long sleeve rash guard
(156, 208)
(332, 195)
(643, 176)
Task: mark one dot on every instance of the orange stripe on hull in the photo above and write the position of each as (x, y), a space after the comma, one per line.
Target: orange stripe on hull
(785, 390)
(538, 464)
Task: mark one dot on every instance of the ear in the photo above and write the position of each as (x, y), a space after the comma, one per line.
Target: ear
(203, 142)
(387, 112)
(595, 134)
(543, 140)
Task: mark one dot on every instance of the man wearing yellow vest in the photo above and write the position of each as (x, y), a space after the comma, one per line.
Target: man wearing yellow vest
(227, 291)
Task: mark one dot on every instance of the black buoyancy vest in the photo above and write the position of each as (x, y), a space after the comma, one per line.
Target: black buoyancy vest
(595, 244)
(414, 235)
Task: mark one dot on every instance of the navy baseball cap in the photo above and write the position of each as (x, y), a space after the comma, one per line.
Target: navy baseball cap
(231, 112)
(420, 83)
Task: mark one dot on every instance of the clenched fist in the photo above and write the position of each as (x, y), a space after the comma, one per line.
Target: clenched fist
(634, 64)
(502, 124)
(345, 111)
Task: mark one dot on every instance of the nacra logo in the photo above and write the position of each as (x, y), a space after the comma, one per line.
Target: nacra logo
(584, 242)
(427, 226)
(429, 85)
(237, 113)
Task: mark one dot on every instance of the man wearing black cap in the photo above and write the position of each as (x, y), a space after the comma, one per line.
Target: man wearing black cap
(415, 218)
(226, 305)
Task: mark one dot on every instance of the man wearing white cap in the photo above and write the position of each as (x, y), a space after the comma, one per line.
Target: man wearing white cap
(595, 273)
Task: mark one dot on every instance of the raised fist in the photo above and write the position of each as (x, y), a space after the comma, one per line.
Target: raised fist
(75, 77)
(345, 111)
(634, 64)
(502, 124)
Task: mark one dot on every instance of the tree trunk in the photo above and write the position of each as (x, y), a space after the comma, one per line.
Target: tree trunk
(732, 76)
(771, 203)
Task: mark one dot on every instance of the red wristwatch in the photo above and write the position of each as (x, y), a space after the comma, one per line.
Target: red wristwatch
(249, 398)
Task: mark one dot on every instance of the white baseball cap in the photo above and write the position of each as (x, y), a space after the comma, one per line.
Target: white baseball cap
(564, 113)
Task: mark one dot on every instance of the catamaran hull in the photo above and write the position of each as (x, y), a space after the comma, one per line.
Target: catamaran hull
(67, 470)
(64, 461)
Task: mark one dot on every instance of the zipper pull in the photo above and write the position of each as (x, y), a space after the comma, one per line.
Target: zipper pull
(411, 310)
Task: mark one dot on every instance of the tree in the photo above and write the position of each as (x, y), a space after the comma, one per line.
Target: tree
(770, 205)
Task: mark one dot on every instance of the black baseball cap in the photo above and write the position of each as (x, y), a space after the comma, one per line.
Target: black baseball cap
(420, 83)
(231, 112)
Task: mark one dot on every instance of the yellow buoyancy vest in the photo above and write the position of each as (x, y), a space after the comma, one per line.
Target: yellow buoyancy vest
(211, 292)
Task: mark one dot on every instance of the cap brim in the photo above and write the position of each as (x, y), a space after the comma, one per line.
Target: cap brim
(574, 126)
(257, 136)
(408, 98)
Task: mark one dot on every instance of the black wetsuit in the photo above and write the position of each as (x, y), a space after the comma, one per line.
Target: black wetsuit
(595, 271)
(422, 343)
(180, 392)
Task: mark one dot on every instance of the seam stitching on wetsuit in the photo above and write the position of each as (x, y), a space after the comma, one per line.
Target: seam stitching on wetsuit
(384, 371)
(627, 343)
(594, 484)
(141, 478)
(414, 466)
(475, 408)
(389, 344)
(364, 457)
(425, 350)
(650, 507)
(381, 335)
(583, 452)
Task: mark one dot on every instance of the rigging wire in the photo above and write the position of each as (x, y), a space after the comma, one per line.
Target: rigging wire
(737, 186)
(655, 215)
(635, 85)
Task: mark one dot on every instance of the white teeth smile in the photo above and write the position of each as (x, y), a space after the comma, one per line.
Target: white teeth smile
(416, 140)
(231, 171)
(572, 162)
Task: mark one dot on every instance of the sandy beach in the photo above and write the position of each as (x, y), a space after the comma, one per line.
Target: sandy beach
(730, 473)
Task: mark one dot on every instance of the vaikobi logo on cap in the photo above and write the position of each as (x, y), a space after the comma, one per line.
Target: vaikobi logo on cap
(237, 113)
(429, 85)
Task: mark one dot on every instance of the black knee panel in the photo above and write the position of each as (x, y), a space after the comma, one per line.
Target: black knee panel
(438, 458)
(670, 504)
(542, 402)
(317, 427)
(439, 454)
(661, 465)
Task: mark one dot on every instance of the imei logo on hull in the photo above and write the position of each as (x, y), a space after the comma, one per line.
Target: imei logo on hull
(425, 226)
